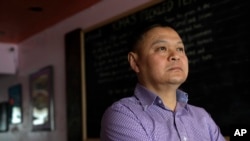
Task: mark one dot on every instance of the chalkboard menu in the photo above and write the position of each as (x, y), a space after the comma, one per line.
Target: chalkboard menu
(216, 38)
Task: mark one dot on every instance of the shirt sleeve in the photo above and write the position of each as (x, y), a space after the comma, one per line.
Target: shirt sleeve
(120, 123)
(215, 132)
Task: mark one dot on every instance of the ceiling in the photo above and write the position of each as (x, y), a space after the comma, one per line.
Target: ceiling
(20, 19)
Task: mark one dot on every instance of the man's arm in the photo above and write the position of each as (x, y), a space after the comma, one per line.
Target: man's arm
(120, 123)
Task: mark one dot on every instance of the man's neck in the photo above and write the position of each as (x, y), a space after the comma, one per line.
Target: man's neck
(167, 93)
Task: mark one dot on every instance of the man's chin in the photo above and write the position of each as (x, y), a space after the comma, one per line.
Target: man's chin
(177, 81)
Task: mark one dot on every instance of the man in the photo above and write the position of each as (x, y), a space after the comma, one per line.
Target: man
(158, 110)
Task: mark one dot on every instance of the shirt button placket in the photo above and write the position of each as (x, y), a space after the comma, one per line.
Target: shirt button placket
(180, 129)
(184, 138)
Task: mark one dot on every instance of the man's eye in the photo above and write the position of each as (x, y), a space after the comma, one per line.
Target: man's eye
(180, 49)
(162, 48)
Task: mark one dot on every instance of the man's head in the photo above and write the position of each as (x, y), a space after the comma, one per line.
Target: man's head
(158, 57)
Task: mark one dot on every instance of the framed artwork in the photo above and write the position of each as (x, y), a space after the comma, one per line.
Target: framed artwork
(41, 94)
(15, 104)
(4, 125)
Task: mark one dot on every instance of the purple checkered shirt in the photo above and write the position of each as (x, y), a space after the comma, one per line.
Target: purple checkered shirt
(143, 117)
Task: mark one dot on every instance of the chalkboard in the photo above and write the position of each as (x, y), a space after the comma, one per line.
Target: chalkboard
(216, 38)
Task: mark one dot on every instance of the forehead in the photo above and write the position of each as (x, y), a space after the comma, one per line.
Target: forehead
(156, 33)
(166, 34)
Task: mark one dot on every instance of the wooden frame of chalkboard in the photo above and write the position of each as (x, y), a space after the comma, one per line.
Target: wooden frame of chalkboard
(75, 86)
(216, 46)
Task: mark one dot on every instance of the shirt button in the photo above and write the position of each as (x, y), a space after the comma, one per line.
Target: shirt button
(184, 138)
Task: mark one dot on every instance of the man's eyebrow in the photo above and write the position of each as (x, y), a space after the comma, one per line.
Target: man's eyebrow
(180, 42)
(159, 41)
(164, 41)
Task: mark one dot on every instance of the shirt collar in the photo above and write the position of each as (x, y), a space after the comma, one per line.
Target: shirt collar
(147, 98)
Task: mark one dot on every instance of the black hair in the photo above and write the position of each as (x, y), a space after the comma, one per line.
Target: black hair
(139, 30)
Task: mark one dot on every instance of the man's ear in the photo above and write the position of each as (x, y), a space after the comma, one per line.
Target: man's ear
(132, 59)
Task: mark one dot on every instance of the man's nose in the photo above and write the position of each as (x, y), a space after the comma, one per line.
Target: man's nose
(174, 56)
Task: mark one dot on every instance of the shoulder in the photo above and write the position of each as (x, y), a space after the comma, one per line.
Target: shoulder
(126, 105)
(120, 121)
(194, 107)
(201, 119)
(198, 112)
(121, 115)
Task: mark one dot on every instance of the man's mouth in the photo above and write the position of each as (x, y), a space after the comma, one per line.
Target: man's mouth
(175, 69)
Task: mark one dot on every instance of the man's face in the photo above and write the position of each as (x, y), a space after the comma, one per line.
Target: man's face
(161, 58)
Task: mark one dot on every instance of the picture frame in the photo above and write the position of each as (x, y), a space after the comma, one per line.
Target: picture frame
(4, 125)
(15, 104)
(41, 95)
